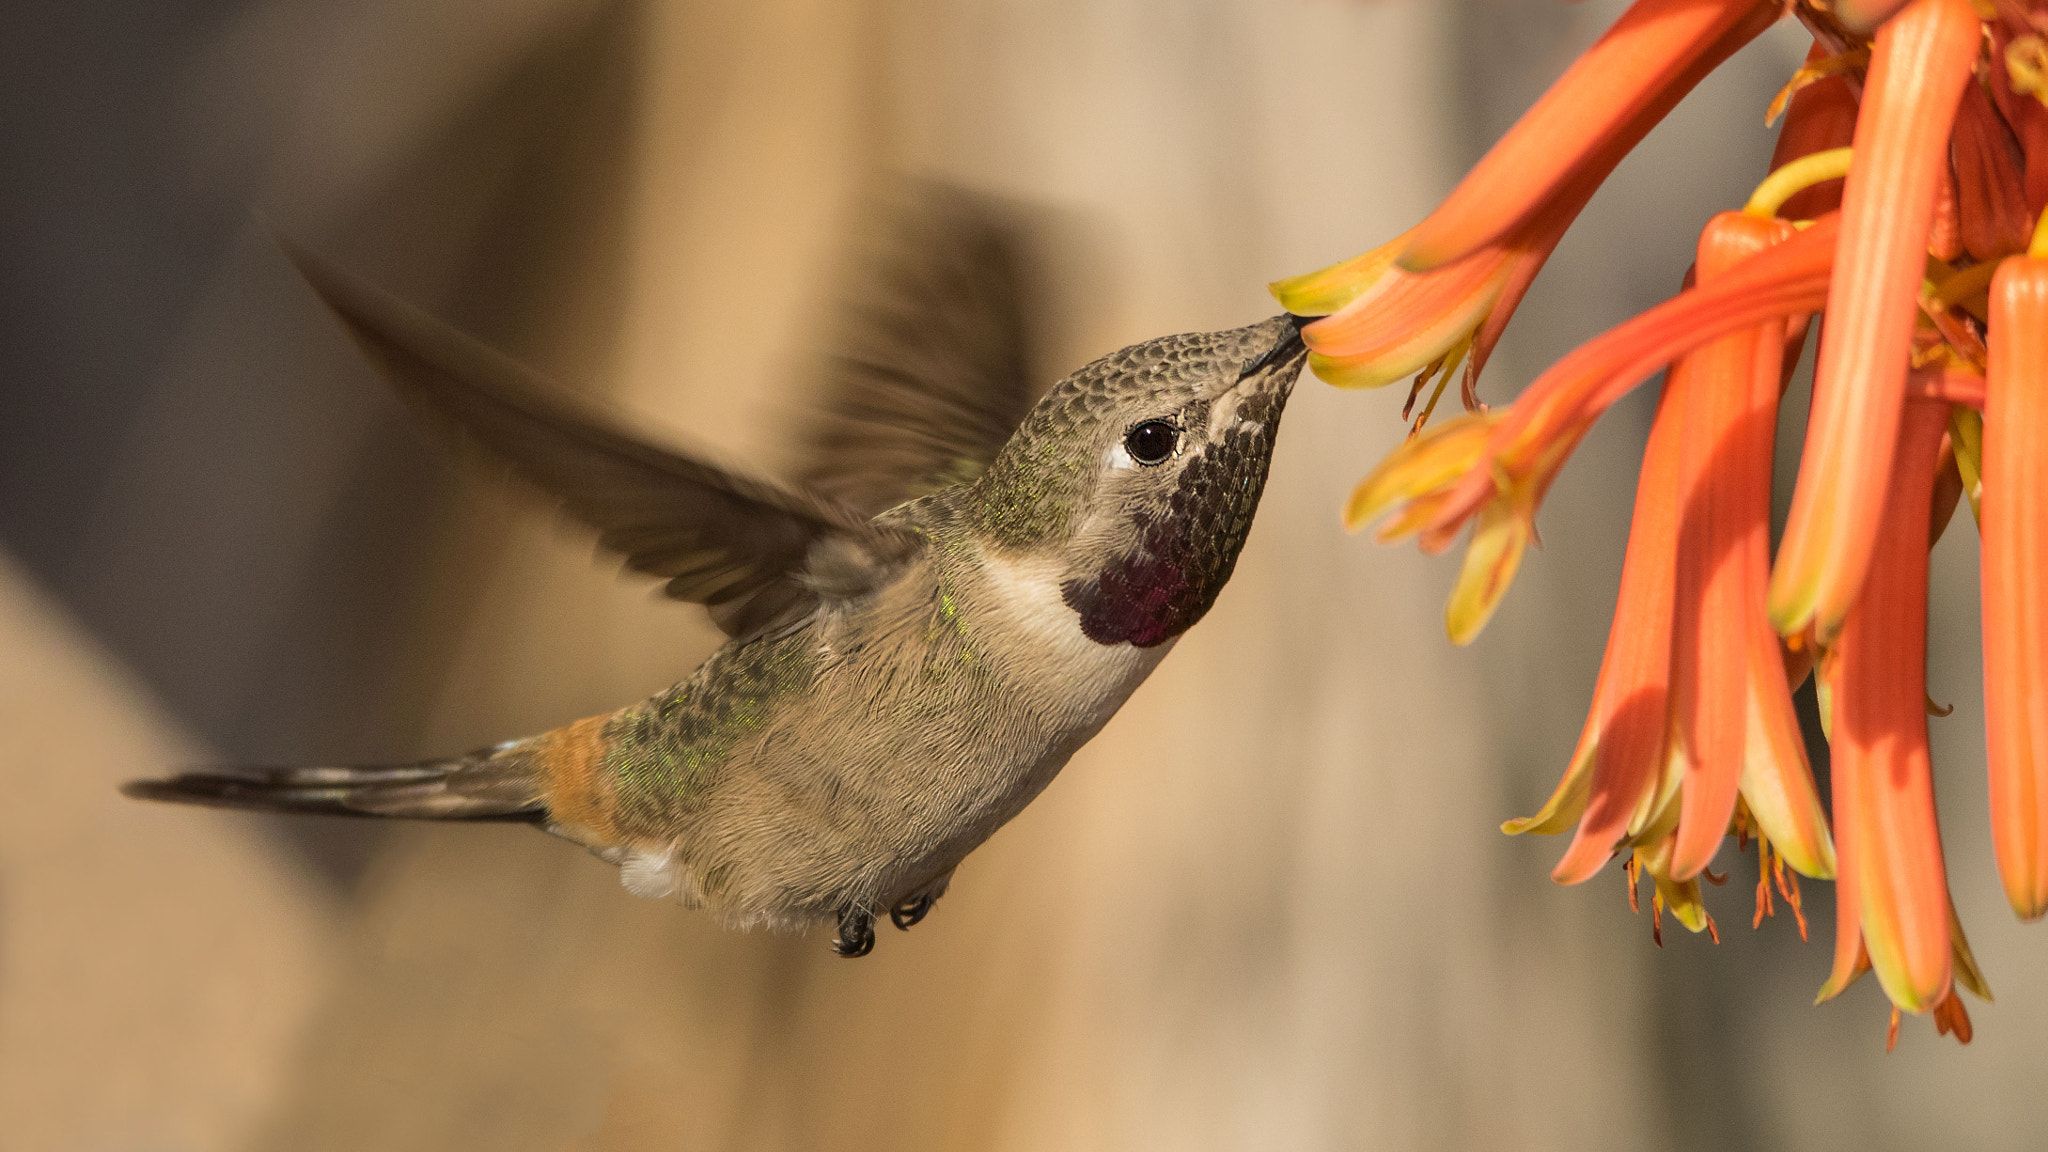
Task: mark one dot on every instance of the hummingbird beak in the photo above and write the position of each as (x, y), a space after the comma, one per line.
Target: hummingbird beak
(1286, 353)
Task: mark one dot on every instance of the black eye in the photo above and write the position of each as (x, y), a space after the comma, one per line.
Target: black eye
(1152, 441)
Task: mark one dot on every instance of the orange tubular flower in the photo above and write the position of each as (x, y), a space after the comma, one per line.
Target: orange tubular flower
(1650, 57)
(1611, 783)
(1732, 721)
(1883, 789)
(1390, 317)
(2015, 570)
(1692, 702)
(1913, 169)
(1534, 439)
(1917, 70)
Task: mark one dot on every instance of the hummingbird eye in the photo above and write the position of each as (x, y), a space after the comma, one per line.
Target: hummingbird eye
(1151, 442)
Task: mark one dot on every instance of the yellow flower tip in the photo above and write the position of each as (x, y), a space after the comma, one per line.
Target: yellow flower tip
(1966, 433)
(1566, 804)
(1776, 783)
(1910, 996)
(1400, 324)
(1849, 965)
(1815, 861)
(1326, 290)
(2037, 247)
(1423, 465)
(1963, 961)
(1681, 898)
(1691, 913)
(1498, 541)
(1354, 373)
(1790, 606)
(2028, 903)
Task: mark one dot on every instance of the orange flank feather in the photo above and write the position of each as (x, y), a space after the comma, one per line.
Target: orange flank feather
(579, 797)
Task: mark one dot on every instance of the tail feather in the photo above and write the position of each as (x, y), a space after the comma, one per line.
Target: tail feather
(491, 784)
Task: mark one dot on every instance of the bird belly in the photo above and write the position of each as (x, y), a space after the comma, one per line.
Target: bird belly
(904, 757)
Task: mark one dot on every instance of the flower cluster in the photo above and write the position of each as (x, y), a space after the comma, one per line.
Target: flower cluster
(1902, 205)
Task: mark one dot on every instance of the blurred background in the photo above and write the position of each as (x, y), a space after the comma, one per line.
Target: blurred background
(1267, 908)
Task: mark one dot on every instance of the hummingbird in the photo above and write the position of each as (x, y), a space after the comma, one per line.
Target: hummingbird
(921, 631)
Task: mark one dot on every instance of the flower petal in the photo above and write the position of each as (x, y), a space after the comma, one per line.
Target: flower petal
(1919, 65)
(1406, 320)
(1650, 58)
(1992, 201)
(1679, 897)
(1423, 464)
(1568, 802)
(1723, 549)
(1324, 291)
(2015, 579)
(1966, 436)
(1624, 731)
(1537, 433)
(1777, 782)
(1498, 541)
(1884, 792)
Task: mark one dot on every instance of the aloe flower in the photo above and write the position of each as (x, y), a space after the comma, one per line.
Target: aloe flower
(1904, 207)
(2015, 514)
(1444, 292)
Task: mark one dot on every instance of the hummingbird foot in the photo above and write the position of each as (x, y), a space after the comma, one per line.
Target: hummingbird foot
(856, 933)
(912, 909)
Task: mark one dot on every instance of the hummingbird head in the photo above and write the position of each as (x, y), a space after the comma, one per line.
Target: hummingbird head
(1141, 472)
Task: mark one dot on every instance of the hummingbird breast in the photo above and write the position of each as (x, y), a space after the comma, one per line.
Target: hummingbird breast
(865, 755)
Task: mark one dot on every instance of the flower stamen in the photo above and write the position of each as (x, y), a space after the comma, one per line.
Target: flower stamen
(1797, 177)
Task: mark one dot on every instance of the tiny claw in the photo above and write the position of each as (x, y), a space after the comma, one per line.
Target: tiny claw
(907, 913)
(856, 934)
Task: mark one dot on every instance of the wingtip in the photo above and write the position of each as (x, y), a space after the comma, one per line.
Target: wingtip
(337, 289)
(217, 789)
(147, 790)
(186, 789)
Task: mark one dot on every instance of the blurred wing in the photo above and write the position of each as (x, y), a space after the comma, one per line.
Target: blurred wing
(734, 544)
(929, 375)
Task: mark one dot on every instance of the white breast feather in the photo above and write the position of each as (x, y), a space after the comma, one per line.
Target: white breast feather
(1096, 678)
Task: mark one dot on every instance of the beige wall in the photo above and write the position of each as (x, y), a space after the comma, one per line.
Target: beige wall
(1267, 908)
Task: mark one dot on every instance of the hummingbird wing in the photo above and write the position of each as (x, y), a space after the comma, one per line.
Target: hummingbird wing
(738, 545)
(929, 370)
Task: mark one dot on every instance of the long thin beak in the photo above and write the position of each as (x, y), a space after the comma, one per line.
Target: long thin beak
(1289, 348)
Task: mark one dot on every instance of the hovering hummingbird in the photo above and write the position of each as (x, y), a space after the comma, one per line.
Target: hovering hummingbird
(960, 595)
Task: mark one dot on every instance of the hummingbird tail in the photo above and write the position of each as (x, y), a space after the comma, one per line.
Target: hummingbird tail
(491, 784)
